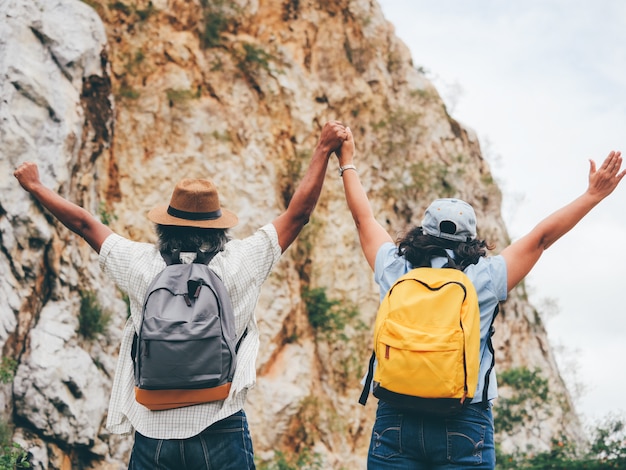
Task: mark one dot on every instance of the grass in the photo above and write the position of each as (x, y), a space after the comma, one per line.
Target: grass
(7, 369)
(93, 319)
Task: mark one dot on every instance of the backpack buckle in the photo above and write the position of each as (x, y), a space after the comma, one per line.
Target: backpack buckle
(193, 289)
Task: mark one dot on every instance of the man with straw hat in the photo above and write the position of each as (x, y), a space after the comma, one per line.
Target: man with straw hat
(209, 435)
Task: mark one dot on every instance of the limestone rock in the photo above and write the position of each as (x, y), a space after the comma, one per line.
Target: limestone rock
(116, 101)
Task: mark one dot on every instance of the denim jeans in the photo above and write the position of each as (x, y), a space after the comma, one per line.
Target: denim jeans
(403, 441)
(225, 445)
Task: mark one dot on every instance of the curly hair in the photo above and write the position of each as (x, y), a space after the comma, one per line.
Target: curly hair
(419, 249)
(191, 239)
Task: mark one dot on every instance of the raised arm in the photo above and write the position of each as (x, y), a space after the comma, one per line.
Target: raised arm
(77, 219)
(522, 255)
(371, 234)
(289, 224)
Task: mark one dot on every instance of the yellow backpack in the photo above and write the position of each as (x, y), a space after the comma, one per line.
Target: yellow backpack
(426, 343)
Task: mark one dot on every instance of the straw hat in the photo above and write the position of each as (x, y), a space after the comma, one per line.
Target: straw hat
(194, 203)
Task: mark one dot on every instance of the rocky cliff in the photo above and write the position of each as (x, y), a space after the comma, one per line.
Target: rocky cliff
(117, 100)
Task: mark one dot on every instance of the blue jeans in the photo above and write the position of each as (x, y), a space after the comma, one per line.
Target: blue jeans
(403, 441)
(225, 445)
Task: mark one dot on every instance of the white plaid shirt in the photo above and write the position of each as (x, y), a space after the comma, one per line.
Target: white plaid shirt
(243, 266)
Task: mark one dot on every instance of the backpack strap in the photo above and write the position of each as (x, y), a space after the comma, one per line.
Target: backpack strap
(451, 263)
(203, 256)
(245, 333)
(368, 380)
(171, 257)
(492, 330)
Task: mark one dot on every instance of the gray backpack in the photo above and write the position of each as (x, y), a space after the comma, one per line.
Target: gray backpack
(185, 351)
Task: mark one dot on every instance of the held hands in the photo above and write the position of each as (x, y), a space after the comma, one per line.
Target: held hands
(27, 175)
(333, 135)
(605, 179)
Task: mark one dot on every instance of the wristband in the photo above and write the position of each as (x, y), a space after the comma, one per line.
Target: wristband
(346, 167)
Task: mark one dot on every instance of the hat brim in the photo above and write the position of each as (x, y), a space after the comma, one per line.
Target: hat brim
(159, 215)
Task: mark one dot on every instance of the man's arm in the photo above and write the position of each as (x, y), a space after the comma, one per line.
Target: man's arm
(371, 234)
(522, 255)
(77, 219)
(289, 224)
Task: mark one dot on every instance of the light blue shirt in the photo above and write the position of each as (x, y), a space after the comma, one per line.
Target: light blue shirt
(489, 278)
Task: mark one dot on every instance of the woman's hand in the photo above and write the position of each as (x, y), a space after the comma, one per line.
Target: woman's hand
(605, 179)
(345, 154)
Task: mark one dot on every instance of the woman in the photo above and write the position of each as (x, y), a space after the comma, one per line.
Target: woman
(413, 441)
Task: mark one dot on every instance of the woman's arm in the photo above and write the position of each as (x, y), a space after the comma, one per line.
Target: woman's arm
(371, 234)
(77, 219)
(522, 255)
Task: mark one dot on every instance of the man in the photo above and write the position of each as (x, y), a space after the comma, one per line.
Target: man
(210, 435)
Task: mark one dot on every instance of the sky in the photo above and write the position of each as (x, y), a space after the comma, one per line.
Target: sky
(543, 85)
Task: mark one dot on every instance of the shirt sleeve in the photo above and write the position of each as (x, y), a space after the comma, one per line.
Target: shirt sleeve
(115, 260)
(248, 262)
(388, 267)
(497, 273)
(131, 266)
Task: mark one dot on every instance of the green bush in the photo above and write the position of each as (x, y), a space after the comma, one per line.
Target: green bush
(609, 441)
(326, 315)
(142, 14)
(217, 16)
(530, 392)
(92, 318)
(531, 395)
(121, 7)
(127, 92)
(12, 456)
(304, 460)
(106, 217)
(7, 369)
(181, 96)
(254, 58)
(607, 451)
(146, 13)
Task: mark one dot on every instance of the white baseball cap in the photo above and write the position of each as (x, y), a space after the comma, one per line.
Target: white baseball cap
(452, 219)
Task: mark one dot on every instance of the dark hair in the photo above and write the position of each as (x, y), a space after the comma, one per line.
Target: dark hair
(419, 249)
(191, 239)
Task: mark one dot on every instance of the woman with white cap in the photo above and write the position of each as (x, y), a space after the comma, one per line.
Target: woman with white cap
(448, 235)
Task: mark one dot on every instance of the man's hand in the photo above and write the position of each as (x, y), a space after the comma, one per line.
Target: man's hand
(27, 175)
(301, 205)
(74, 217)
